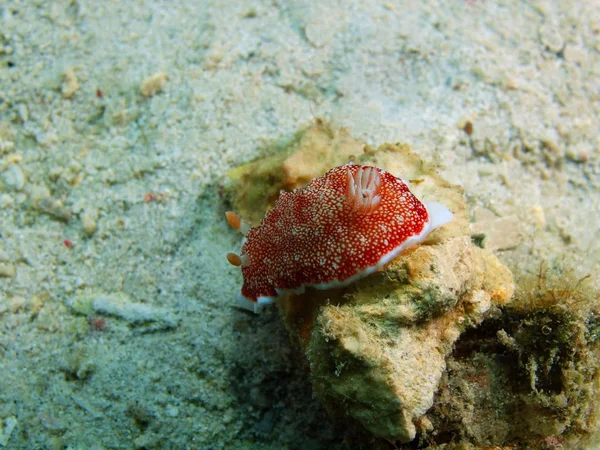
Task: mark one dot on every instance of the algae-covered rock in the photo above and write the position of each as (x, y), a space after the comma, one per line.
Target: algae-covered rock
(433, 346)
(377, 348)
(530, 374)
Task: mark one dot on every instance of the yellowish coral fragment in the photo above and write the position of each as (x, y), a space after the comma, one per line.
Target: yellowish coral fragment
(70, 84)
(154, 84)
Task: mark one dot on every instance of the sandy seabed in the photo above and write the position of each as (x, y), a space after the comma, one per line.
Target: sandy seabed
(118, 124)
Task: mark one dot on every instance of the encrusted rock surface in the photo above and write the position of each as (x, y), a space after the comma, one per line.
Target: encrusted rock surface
(377, 349)
(440, 346)
(377, 352)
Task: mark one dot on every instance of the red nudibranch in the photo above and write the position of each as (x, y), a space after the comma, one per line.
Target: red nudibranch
(340, 227)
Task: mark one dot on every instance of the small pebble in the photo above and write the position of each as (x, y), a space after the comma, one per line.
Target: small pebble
(468, 128)
(55, 208)
(575, 54)
(6, 200)
(6, 146)
(538, 216)
(7, 270)
(17, 303)
(154, 84)
(70, 84)
(551, 38)
(89, 224)
(14, 178)
(23, 112)
(320, 31)
(172, 411)
(38, 193)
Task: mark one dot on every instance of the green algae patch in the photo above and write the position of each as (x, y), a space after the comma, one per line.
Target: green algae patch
(530, 375)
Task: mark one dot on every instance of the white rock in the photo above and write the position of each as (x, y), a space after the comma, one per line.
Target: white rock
(14, 178)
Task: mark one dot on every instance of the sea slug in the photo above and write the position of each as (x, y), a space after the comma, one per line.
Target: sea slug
(340, 227)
